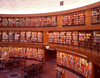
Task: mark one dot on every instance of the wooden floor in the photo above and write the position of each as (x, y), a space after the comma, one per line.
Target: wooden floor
(48, 73)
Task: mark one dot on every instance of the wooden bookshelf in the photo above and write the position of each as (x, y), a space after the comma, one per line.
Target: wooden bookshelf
(81, 39)
(5, 36)
(60, 72)
(69, 37)
(0, 36)
(25, 52)
(62, 37)
(96, 15)
(72, 19)
(37, 21)
(21, 36)
(75, 63)
(75, 37)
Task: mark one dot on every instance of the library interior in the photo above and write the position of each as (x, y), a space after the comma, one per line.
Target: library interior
(50, 39)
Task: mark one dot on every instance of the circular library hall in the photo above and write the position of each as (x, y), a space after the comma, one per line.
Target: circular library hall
(49, 39)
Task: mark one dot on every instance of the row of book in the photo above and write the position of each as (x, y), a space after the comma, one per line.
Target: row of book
(28, 21)
(74, 37)
(73, 62)
(25, 52)
(96, 15)
(20, 36)
(96, 37)
(68, 37)
(77, 18)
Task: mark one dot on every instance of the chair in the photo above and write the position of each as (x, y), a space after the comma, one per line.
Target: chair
(14, 59)
(25, 66)
(35, 71)
(29, 65)
(33, 64)
(0, 61)
(1, 67)
(7, 66)
(14, 63)
(11, 65)
(40, 69)
(24, 61)
(29, 74)
(19, 63)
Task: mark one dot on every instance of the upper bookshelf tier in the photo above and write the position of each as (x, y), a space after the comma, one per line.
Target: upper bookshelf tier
(96, 15)
(86, 16)
(76, 18)
(44, 21)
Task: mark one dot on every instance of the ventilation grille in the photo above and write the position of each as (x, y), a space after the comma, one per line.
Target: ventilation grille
(61, 3)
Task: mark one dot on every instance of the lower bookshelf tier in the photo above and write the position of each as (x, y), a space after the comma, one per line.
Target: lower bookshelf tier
(24, 52)
(21, 36)
(86, 39)
(75, 63)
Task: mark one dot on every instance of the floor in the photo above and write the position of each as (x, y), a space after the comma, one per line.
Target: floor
(48, 73)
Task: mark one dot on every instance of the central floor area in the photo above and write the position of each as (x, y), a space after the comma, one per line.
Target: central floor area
(49, 72)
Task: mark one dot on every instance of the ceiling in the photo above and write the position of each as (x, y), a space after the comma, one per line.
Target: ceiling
(39, 6)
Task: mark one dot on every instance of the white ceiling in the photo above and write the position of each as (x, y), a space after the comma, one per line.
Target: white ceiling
(39, 6)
